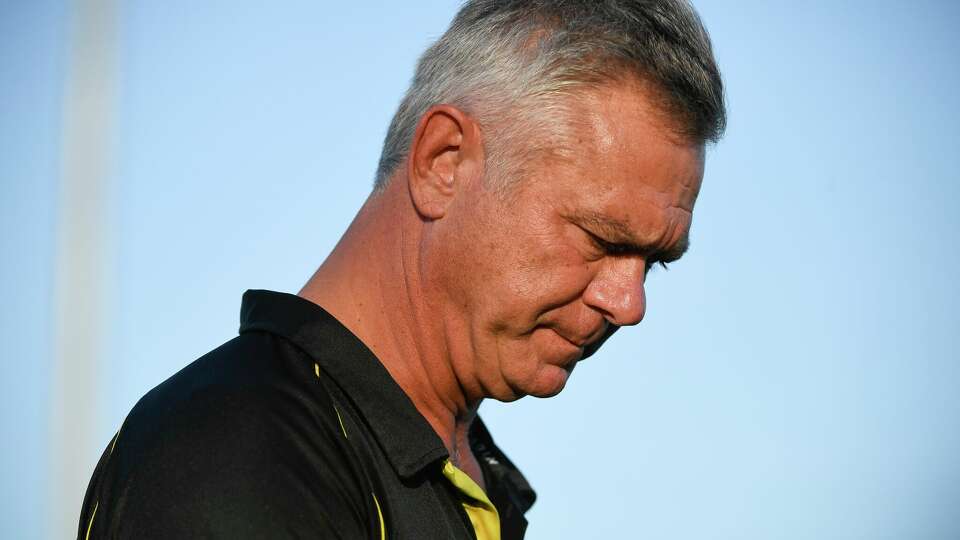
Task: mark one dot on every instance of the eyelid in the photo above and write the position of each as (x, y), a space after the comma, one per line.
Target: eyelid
(600, 243)
(653, 264)
(614, 248)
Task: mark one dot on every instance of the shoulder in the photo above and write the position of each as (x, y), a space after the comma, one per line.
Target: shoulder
(234, 445)
(230, 402)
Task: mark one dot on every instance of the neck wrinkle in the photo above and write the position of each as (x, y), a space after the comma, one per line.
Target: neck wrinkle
(428, 378)
(374, 283)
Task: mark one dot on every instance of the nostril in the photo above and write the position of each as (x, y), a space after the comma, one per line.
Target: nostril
(609, 317)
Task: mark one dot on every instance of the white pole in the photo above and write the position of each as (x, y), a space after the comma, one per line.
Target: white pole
(80, 288)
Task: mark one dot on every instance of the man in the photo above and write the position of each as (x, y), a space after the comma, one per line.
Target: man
(547, 154)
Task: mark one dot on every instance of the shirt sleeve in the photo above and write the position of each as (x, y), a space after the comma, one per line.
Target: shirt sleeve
(231, 465)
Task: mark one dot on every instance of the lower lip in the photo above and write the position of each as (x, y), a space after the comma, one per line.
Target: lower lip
(572, 346)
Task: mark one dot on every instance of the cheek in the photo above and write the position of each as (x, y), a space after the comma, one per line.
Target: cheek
(526, 281)
(546, 266)
(545, 275)
(517, 266)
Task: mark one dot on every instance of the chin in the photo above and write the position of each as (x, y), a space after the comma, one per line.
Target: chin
(548, 381)
(554, 380)
(543, 372)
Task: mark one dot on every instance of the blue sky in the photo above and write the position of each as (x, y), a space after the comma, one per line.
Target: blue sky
(795, 377)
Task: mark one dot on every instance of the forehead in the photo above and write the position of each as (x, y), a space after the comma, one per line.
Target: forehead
(616, 162)
(618, 131)
(618, 158)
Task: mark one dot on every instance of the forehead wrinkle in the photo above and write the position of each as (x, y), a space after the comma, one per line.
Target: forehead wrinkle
(681, 247)
(670, 245)
(669, 182)
(682, 184)
(676, 236)
(616, 230)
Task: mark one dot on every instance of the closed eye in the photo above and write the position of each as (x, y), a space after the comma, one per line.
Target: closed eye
(612, 248)
(616, 249)
(652, 265)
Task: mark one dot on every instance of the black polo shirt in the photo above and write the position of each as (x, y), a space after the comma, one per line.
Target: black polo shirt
(293, 429)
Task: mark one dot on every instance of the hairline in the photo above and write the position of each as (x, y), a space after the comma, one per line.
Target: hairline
(515, 98)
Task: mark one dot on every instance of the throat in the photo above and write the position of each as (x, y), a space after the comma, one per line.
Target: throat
(462, 457)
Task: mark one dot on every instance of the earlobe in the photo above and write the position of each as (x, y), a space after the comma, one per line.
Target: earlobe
(445, 154)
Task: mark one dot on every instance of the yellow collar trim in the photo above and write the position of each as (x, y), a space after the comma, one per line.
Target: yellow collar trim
(482, 513)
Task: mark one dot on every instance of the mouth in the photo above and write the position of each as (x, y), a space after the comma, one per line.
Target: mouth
(586, 340)
(578, 346)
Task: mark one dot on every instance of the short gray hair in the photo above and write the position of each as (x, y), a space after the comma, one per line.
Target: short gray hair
(500, 56)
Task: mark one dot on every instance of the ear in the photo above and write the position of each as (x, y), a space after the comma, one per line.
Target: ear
(445, 156)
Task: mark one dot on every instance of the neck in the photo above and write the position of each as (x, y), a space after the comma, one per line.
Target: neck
(373, 283)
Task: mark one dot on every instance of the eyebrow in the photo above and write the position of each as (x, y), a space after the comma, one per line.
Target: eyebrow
(619, 236)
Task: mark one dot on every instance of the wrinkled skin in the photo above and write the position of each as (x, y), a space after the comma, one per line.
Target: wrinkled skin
(527, 281)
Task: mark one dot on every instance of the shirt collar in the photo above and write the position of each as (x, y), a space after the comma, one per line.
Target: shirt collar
(408, 441)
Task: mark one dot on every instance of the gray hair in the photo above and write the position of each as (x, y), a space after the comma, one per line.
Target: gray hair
(505, 62)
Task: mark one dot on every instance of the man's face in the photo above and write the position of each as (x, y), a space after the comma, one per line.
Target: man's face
(529, 279)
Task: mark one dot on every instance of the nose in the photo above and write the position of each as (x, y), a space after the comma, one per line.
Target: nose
(617, 290)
